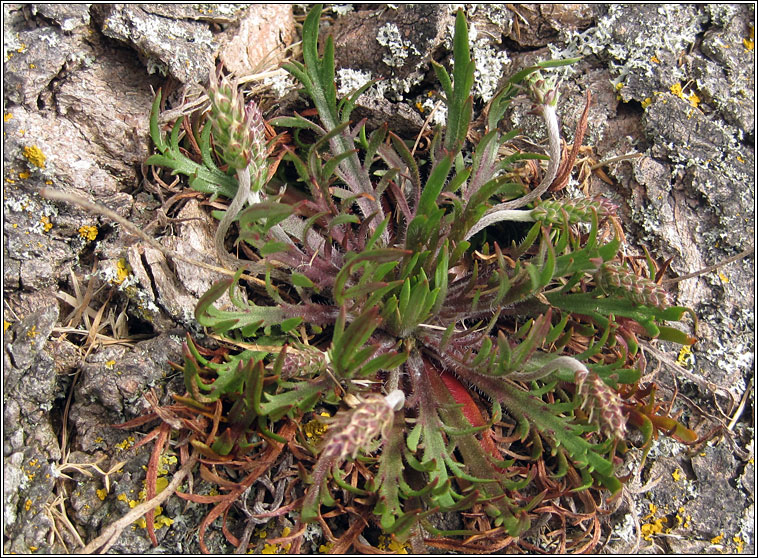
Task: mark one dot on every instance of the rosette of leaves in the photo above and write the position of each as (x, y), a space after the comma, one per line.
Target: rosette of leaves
(445, 361)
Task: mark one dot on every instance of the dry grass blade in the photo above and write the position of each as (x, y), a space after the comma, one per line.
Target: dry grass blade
(82, 301)
(564, 171)
(702, 383)
(92, 336)
(56, 513)
(51, 194)
(710, 268)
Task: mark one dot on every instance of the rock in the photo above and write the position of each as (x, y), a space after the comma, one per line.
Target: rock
(93, 94)
(534, 25)
(194, 239)
(715, 473)
(30, 388)
(183, 48)
(34, 57)
(117, 378)
(184, 40)
(391, 43)
(258, 39)
(730, 85)
(66, 16)
(27, 340)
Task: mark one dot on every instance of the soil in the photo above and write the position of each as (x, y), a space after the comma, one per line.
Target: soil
(93, 316)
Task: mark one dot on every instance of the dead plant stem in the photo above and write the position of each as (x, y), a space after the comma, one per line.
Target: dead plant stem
(96, 208)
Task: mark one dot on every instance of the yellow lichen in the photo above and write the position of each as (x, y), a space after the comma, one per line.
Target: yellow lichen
(28, 505)
(23, 175)
(315, 428)
(717, 539)
(160, 484)
(162, 520)
(647, 102)
(685, 358)
(126, 444)
(326, 548)
(691, 98)
(46, 224)
(7, 116)
(101, 493)
(749, 42)
(32, 333)
(655, 59)
(35, 156)
(723, 277)
(387, 542)
(677, 475)
(123, 271)
(6, 325)
(739, 544)
(653, 528)
(681, 519)
(277, 548)
(88, 232)
(159, 521)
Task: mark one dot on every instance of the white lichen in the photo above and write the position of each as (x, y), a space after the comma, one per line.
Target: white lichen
(349, 80)
(280, 84)
(490, 67)
(389, 36)
(439, 116)
(341, 9)
(626, 529)
(670, 32)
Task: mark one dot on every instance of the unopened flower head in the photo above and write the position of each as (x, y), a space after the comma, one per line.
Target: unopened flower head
(542, 90)
(602, 403)
(237, 130)
(574, 210)
(617, 280)
(355, 430)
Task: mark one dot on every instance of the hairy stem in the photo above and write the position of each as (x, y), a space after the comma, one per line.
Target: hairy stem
(243, 191)
(244, 194)
(503, 211)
